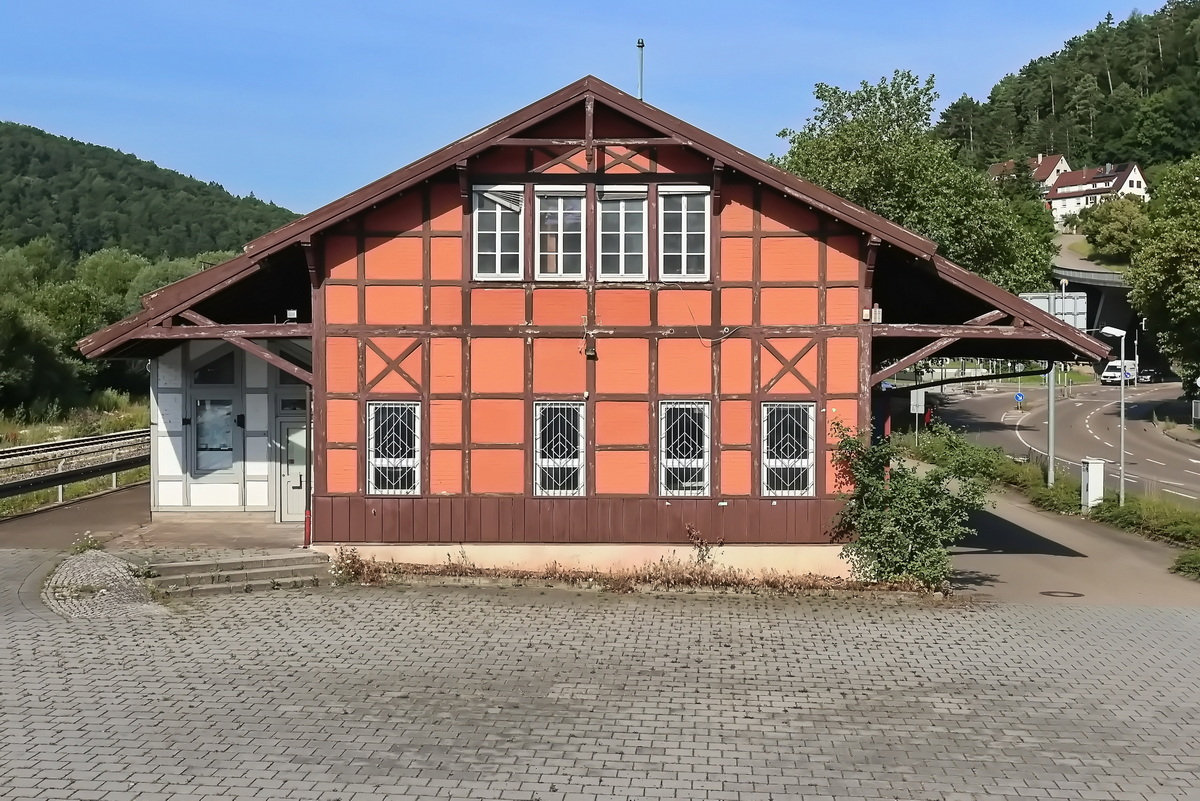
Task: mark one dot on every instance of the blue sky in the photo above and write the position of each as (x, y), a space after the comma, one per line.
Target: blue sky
(303, 101)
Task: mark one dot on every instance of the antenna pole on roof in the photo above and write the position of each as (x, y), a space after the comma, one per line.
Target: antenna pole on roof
(641, 45)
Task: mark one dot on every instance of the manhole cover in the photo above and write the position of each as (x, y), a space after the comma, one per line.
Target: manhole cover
(1061, 594)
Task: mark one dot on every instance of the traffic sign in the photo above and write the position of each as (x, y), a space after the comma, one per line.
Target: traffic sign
(1020, 396)
(916, 401)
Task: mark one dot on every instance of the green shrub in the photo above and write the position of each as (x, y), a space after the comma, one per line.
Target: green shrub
(1187, 564)
(1063, 497)
(900, 520)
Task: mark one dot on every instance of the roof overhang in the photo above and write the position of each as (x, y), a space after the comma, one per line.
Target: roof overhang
(170, 301)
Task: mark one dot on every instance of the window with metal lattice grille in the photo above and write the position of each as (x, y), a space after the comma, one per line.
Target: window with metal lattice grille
(684, 450)
(394, 448)
(559, 448)
(787, 449)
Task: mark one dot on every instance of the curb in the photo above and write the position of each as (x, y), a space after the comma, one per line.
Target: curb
(30, 593)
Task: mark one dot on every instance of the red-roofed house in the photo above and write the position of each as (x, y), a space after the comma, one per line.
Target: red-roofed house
(1077, 190)
(1045, 169)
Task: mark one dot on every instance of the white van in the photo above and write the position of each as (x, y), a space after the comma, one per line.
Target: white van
(1112, 372)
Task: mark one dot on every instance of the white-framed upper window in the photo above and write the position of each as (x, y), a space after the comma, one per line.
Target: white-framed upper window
(499, 231)
(559, 448)
(560, 233)
(683, 233)
(621, 246)
(394, 448)
(788, 444)
(684, 448)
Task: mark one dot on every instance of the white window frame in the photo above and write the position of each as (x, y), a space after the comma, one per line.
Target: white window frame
(551, 190)
(808, 463)
(665, 463)
(644, 195)
(373, 461)
(579, 463)
(685, 190)
(497, 276)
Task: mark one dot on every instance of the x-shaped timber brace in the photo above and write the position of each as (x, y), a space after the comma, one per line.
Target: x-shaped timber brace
(238, 336)
(975, 328)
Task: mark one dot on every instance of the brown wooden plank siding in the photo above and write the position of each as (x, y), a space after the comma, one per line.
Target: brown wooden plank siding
(501, 519)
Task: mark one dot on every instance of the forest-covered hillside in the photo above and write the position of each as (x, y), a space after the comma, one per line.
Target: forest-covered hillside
(84, 232)
(86, 197)
(1122, 91)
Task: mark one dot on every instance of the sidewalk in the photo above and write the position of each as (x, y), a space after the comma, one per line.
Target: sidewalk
(1021, 553)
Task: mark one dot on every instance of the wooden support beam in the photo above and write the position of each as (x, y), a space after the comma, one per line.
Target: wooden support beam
(518, 141)
(718, 172)
(253, 348)
(464, 180)
(312, 258)
(255, 331)
(872, 254)
(911, 359)
(999, 332)
(589, 142)
(984, 319)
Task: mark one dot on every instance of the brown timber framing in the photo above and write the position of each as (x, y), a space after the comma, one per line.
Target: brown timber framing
(673, 132)
(254, 349)
(999, 332)
(911, 359)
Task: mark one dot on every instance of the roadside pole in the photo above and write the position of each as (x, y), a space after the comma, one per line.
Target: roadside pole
(1052, 390)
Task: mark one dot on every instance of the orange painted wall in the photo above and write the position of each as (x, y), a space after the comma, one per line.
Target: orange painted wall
(534, 343)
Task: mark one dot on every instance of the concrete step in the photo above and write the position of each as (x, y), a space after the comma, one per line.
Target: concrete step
(198, 567)
(309, 570)
(238, 587)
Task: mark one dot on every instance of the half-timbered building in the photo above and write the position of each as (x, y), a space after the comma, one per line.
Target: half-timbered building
(567, 336)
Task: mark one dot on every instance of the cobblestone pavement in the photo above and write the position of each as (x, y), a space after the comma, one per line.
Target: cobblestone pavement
(466, 693)
(94, 584)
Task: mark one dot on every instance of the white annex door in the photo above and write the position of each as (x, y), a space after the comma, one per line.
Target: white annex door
(293, 483)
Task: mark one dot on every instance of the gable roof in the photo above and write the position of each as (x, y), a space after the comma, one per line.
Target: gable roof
(689, 135)
(1069, 183)
(170, 300)
(1041, 167)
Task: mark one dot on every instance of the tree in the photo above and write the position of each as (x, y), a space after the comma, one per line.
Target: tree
(901, 520)
(168, 271)
(1164, 276)
(875, 146)
(34, 375)
(110, 271)
(1126, 90)
(1115, 227)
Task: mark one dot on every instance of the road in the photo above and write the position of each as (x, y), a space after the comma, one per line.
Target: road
(1088, 426)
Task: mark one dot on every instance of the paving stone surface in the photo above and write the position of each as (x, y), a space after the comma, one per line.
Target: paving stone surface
(358, 694)
(94, 584)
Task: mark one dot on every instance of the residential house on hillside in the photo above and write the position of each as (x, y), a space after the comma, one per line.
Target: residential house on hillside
(1077, 190)
(1045, 169)
(574, 336)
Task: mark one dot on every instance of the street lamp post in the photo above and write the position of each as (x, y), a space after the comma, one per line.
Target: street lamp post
(1110, 331)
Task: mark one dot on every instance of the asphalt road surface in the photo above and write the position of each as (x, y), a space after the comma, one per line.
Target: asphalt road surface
(1088, 426)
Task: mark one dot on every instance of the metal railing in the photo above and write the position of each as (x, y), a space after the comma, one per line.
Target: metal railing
(29, 468)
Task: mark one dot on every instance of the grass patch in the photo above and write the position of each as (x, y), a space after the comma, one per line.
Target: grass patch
(1188, 564)
(107, 412)
(47, 497)
(1084, 248)
(1153, 518)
